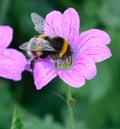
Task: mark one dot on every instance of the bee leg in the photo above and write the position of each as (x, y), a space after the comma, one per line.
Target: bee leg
(32, 64)
(54, 59)
(70, 59)
(33, 61)
(56, 64)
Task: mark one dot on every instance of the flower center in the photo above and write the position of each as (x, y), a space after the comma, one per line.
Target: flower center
(64, 63)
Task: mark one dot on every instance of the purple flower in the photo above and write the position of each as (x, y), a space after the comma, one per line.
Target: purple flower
(88, 47)
(12, 62)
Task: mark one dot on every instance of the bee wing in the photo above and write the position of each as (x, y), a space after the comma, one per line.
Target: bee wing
(39, 24)
(45, 45)
(37, 44)
(38, 21)
(24, 46)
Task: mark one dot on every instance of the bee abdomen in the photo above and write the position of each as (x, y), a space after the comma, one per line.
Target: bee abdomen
(60, 44)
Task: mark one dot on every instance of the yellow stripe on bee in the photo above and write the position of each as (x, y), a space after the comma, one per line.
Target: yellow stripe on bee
(42, 36)
(64, 48)
(39, 53)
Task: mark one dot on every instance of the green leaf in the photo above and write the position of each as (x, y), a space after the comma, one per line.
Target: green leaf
(31, 121)
(16, 121)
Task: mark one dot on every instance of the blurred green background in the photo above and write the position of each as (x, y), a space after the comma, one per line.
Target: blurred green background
(99, 99)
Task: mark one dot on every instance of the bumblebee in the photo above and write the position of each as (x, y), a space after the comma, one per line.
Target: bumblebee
(42, 46)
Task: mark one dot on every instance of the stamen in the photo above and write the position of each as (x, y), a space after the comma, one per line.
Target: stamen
(64, 64)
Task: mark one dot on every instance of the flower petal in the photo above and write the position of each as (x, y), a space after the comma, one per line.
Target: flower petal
(86, 66)
(83, 67)
(6, 34)
(27, 66)
(65, 25)
(53, 24)
(12, 64)
(97, 35)
(70, 24)
(93, 43)
(44, 72)
(98, 53)
(72, 77)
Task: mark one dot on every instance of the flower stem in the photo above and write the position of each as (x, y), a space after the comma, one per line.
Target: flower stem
(70, 108)
(14, 119)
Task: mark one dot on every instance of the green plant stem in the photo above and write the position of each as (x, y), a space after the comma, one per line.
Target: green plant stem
(70, 108)
(13, 120)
